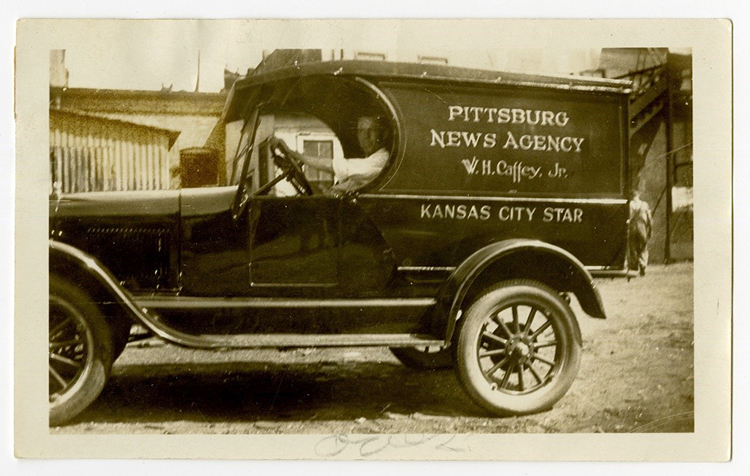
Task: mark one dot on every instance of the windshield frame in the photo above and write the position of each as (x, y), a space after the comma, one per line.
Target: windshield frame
(245, 150)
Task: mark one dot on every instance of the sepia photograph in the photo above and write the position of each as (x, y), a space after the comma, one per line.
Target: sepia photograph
(376, 246)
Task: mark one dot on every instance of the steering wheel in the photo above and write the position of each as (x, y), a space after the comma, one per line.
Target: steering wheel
(291, 169)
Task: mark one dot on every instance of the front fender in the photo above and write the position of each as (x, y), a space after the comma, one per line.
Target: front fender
(81, 264)
(540, 261)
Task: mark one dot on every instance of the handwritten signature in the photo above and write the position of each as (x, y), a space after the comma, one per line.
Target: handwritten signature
(369, 445)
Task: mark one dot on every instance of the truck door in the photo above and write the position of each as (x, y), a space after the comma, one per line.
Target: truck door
(367, 264)
(295, 242)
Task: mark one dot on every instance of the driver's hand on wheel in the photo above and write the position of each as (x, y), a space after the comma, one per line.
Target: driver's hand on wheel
(277, 143)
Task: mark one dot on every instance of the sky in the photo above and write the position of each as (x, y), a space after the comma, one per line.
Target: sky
(149, 55)
(152, 55)
(175, 63)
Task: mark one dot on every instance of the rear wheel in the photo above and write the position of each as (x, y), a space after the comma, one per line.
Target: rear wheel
(80, 351)
(518, 348)
(424, 358)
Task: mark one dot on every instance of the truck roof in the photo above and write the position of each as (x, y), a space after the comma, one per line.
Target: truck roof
(382, 70)
(432, 72)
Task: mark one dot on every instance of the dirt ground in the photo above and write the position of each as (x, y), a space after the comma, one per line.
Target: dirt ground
(636, 376)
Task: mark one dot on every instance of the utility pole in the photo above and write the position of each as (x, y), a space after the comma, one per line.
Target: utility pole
(198, 79)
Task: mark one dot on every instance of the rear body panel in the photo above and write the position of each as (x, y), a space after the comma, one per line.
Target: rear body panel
(443, 230)
(508, 141)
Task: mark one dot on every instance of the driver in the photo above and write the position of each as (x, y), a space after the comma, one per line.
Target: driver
(351, 173)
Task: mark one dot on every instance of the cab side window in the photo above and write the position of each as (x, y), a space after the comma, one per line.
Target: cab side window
(311, 137)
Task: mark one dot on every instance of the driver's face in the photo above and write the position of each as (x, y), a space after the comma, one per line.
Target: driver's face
(371, 137)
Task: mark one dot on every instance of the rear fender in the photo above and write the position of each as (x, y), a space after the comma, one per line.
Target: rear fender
(514, 259)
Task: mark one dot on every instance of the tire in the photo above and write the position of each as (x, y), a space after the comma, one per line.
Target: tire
(502, 332)
(424, 358)
(80, 351)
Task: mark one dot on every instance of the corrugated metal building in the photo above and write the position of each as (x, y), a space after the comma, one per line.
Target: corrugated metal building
(92, 153)
(194, 115)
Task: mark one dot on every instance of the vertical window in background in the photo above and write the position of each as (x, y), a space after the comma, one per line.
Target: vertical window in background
(318, 148)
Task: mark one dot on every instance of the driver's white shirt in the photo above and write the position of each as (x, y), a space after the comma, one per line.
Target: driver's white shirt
(362, 169)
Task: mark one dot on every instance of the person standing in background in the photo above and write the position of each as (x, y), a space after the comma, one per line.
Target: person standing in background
(640, 233)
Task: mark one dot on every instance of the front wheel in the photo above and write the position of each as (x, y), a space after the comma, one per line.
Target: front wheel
(80, 351)
(518, 348)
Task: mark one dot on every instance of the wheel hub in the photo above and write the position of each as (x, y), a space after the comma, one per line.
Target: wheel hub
(519, 349)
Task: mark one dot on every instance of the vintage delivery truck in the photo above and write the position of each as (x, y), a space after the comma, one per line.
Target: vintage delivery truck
(499, 197)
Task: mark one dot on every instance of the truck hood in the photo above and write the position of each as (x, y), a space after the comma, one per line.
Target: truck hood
(129, 203)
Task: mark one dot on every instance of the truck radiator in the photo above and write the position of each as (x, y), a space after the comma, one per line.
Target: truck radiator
(138, 256)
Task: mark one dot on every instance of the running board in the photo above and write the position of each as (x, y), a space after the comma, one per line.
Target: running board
(196, 303)
(254, 341)
(138, 307)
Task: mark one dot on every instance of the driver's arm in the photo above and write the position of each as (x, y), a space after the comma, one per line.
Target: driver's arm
(319, 163)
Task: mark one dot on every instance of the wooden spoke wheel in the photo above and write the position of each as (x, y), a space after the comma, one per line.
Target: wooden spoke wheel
(80, 351)
(518, 348)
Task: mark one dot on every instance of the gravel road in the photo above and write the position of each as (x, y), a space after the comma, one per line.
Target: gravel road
(636, 376)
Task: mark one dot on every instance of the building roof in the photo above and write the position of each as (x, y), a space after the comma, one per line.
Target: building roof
(170, 134)
(140, 102)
